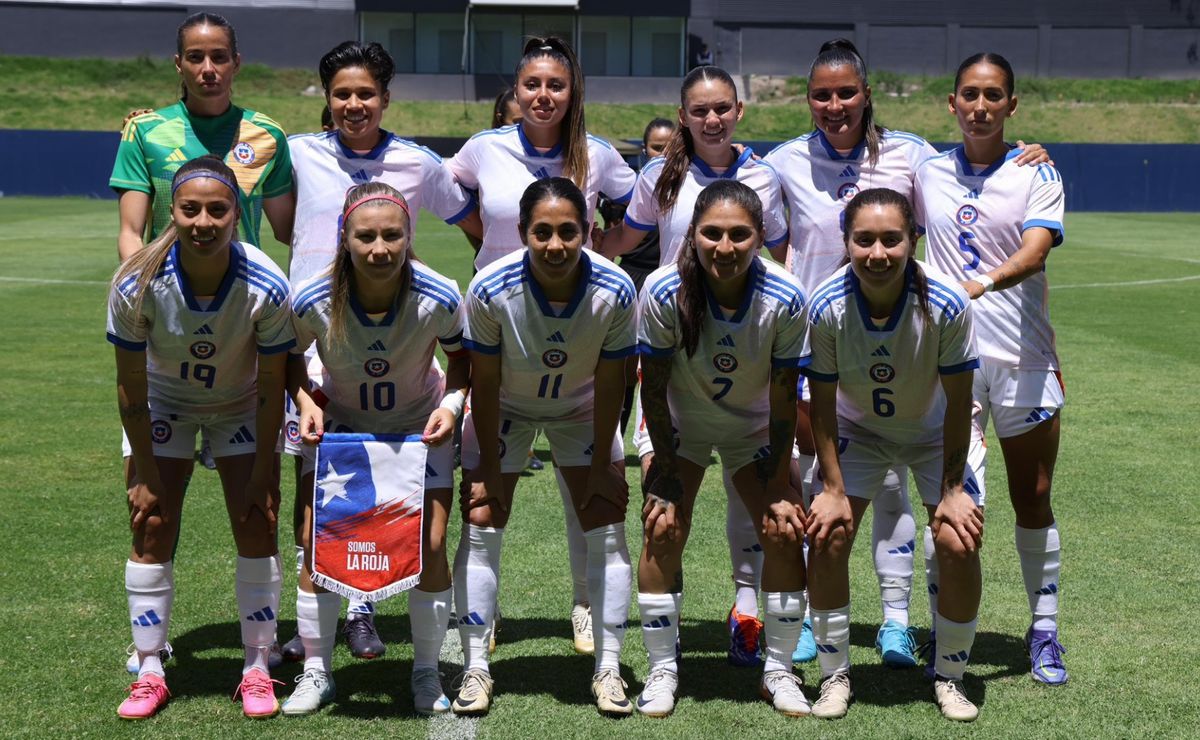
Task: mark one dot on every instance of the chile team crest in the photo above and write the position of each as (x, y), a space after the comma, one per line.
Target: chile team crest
(967, 215)
(847, 191)
(202, 350)
(376, 367)
(244, 153)
(160, 431)
(554, 358)
(881, 372)
(725, 362)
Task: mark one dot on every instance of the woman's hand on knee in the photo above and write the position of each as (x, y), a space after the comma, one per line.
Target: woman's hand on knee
(963, 518)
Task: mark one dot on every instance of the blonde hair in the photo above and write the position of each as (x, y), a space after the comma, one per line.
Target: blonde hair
(341, 272)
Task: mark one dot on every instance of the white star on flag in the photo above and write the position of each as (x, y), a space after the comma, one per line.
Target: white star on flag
(334, 486)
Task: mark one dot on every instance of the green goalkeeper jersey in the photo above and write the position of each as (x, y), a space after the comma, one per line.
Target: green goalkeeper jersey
(155, 145)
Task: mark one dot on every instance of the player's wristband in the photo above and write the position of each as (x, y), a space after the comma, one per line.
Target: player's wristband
(453, 402)
(984, 280)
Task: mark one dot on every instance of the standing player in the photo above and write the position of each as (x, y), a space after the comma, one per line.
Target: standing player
(991, 225)
(891, 368)
(505, 110)
(549, 329)
(204, 121)
(201, 328)
(699, 153)
(355, 78)
(549, 141)
(721, 337)
(820, 173)
(376, 317)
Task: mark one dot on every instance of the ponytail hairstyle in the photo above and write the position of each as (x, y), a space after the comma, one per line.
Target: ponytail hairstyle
(552, 187)
(987, 57)
(371, 57)
(839, 52)
(692, 297)
(680, 149)
(573, 131)
(148, 261)
(202, 19)
(341, 272)
(889, 197)
(500, 107)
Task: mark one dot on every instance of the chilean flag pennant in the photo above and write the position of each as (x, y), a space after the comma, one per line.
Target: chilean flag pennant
(368, 504)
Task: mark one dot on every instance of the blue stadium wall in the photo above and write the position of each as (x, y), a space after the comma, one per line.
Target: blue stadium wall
(1098, 177)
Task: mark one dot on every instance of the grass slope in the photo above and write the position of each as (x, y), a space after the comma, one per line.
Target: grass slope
(1124, 496)
(95, 94)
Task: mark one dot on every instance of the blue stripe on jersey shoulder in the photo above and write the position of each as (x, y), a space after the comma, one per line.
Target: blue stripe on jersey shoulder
(826, 298)
(274, 294)
(495, 131)
(598, 140)
(302, 295)
(126, 286)
(435, 279)
(652, 164)
(267, 275)
(414, 145)
(623, 289)
(436, 292)
(664, 289)
(312, 295)
(614, 276)
(945, 293)
(1048, 173)
(488, 289)
(802, 137)
(905, 135)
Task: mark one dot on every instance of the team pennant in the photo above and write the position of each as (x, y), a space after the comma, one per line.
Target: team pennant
(368, 502)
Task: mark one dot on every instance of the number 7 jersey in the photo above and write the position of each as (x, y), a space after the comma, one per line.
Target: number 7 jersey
(974, 222)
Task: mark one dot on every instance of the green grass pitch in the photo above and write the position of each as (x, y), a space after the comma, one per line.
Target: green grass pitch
(1125, 299)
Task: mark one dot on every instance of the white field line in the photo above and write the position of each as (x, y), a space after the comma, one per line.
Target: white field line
(50, 281)
(1127, 284)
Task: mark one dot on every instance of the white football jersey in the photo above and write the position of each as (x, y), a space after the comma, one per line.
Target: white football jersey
(384, 378)
(643, 212)
(548, 355)
(500, 163)
(324, 169)
(727, 381)
(887, 374)
(973, 223)
(817, 184)
(204, 358)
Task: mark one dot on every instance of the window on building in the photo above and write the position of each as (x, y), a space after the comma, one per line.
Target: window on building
(604, 45)
(658, 47)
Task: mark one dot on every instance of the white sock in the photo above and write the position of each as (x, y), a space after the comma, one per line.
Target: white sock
(745, 553)
(316, 623)
(954, 641)
(610, 581)
(150, 589)
(893, 541)
(932, 576)
(577, 549)
(476, 582)
(428, 612)
(831, 630)
(782, 625)
(258, 585)
(660, 628)
(1039, 551)
(358, 609)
